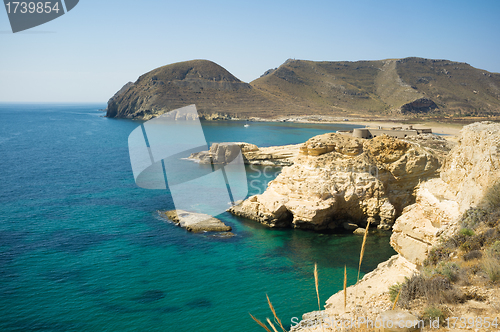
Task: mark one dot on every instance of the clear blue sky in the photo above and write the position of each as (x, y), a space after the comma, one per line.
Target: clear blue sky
(89, 53)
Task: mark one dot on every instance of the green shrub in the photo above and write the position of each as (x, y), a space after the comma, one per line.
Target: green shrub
(394, 291)
(456, 240)
(467, 232)
(449, 270)
(432, 313)
(473, 242)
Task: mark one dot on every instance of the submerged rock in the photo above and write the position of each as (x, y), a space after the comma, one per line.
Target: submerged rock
(196, 222)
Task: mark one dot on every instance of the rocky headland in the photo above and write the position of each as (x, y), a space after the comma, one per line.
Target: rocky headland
(337, 178)
(222, 153)
(466, 175)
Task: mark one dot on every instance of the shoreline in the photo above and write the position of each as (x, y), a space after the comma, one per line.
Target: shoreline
(448, 129)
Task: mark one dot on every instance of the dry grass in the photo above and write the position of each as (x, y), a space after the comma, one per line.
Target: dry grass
(316, 283)
(434, 289)
(362, 253)
(491, 266)
(277, 320)
(260, 323)
(345, 287)
(397, 298)
(492, 197)
(271, 324)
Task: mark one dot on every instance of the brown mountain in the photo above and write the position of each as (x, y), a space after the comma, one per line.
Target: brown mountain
(213, 89)
(410, 87)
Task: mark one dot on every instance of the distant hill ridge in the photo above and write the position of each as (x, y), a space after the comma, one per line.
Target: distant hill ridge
(411, 87)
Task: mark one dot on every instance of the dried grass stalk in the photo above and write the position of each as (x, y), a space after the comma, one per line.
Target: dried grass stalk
(276, 319)
(397, 298)
(362, 253)
(316, 281)
(345, 287)
(271, 324)
(260, 323)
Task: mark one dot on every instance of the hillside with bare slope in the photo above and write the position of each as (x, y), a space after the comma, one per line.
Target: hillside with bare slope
(410, 87)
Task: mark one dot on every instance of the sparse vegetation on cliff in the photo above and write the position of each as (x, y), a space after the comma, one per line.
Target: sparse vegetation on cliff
(460, 268)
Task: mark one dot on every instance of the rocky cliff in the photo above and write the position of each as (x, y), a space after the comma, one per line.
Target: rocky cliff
(468, 171)
(222, 153)
(337, 177)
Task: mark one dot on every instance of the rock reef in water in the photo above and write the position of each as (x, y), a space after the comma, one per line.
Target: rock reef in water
(222, 153)
(196, 222)
(337, 177)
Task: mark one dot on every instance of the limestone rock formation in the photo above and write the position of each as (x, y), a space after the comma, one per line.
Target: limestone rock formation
(468, 170)
(474, 164)
(272, 155)
(337, 177)
(195, 222)
(221, 153)
(252, 155)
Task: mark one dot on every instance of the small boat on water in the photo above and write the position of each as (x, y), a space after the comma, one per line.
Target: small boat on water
(246, 125)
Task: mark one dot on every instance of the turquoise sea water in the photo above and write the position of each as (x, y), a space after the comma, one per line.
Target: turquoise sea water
(83, 249)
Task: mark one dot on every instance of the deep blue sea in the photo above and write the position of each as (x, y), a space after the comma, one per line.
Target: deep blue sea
(82, 247)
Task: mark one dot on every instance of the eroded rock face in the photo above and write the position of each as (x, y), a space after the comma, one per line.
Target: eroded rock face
(422, 105)
(337, 177)
(221, 153)
(468, 170)
(474, 164)
(272, 155)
